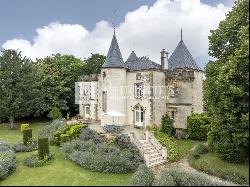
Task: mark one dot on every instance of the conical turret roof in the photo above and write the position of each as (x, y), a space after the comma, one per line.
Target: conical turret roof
(182, 58)
(114, 57)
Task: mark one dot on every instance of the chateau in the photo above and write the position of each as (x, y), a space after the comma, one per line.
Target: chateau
(142, 90)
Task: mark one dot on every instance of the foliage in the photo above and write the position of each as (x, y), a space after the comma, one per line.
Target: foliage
(211, 164)
(57, 75)
(27, 136)
(197, 126)
(43, 148)
(55, 113)
(165, 179)
(102, 157)
(198, 150)
(68, 132)
(24, 126)
(31, 146)
(49, 130)
(35, 161)
(179, 177)
(226, 88)
(7, 160)
(142, 177)
(89, 134)
(113, 129)
(93, 64)
(169, 143)
(167, 124)
(18, 86)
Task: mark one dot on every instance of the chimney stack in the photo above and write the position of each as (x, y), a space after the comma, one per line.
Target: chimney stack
(164, 59)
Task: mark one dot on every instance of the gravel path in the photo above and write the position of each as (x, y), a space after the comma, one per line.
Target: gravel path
(183, 164)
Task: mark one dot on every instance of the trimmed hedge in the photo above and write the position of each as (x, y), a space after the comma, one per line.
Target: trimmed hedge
(102, 155)
(43, 148)
(24, 126)
(31, 146)
(180, 177)
(197, 126)
(27, 136)
(7, 160)
(142, 177)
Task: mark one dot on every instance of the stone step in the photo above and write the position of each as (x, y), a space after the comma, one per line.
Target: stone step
(156, 163)
(155, 159)
(146, 144)
(144, 141)
(155, 154)
(149, 150)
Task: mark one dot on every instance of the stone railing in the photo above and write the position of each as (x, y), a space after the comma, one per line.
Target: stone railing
(137, 143)
(150, 137)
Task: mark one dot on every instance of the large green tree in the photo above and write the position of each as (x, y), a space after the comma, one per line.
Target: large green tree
(226, 94)
(58, 75)
(93, 64)
(17, 86)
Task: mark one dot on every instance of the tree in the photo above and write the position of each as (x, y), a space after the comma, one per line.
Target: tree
(17, 86)
(55, 113)
(226, 86)
(58, 75)
(94, 64)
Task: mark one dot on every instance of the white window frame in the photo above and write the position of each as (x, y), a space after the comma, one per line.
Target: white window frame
(138, 90)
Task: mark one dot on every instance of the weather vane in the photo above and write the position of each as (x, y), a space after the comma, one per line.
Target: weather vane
(113, 23)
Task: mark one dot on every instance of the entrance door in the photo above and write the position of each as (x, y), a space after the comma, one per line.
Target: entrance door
(139, 116)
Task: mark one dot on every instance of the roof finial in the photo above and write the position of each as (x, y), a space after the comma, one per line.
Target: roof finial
(113, 27)
(181, 34)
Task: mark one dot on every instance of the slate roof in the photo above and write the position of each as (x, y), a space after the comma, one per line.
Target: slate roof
(182, 58)
(114, 57)
(142, 63)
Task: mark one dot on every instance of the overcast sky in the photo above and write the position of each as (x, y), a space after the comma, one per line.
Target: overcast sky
(41, 28)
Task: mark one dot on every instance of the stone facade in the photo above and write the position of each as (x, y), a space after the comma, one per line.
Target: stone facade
(142, 90)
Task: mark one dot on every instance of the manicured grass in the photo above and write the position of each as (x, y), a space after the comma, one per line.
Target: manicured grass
(210, 163)
(184, 147)
(60, 172)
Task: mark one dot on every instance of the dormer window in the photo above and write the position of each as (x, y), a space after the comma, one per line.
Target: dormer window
(138, 76)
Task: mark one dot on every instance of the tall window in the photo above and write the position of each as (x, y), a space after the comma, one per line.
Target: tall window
(104, 101)
(139, 114)
(172, 114)
(87, 110)
(138, 90)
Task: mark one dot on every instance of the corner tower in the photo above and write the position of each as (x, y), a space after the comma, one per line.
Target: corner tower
(113, 82)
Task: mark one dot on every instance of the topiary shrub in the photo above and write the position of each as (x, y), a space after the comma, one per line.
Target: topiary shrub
(7, 160)
(55, 113)
(24, 126)
(31, 146)
(167, 124)
(27, 136)
(43, 148)
(142, 177)
(49, 130)
(197, 126)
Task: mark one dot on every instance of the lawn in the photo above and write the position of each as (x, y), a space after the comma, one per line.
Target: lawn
(59, 173)
(210, 163)
(184, 147)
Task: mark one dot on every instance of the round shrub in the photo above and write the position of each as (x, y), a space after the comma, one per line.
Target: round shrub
(197, 126)
(187, 178)
(165, 179)
(55, 113)
(142, 177)
(7, 160)
(199, 149)
(89, 134)
(35, 161)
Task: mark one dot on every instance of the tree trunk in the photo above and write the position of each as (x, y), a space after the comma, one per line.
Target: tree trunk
(11, 119)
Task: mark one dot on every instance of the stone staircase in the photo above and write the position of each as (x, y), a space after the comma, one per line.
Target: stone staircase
(153, 152)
